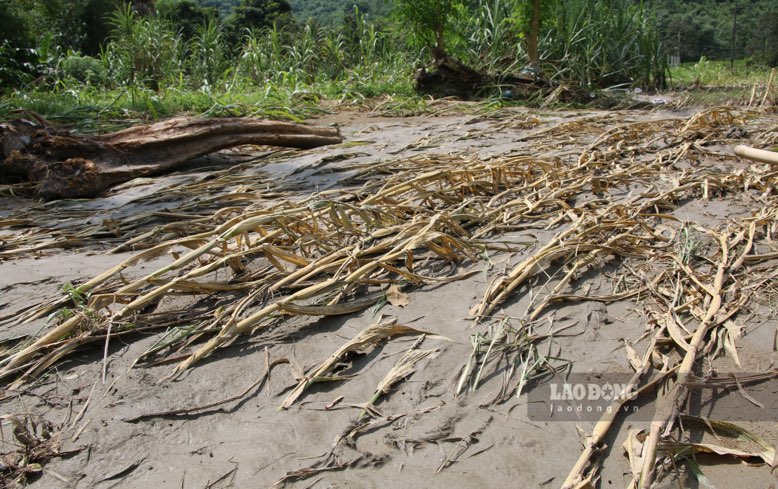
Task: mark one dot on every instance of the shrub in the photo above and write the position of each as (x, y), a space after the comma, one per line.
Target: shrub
(84, 69)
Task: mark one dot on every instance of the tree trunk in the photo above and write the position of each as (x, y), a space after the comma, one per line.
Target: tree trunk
(440, 44)
(67, 165)
(532, 37)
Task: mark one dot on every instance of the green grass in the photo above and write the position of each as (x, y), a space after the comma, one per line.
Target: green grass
(710, 73)
(90, 108)
(708, 83)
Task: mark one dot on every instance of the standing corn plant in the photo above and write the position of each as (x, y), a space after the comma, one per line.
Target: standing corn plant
(142, 49)
(302, 53)
(207, 59)
(601, 43)
(253, 61)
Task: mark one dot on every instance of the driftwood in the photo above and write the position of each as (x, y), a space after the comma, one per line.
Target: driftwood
(67, 165)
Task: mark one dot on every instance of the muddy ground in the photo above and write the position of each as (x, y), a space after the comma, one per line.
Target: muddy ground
(426, 435)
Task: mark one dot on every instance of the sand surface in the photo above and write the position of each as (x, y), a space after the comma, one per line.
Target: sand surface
(424, 435)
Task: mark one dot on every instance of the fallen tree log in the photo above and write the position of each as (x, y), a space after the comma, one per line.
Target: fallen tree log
(68, 165)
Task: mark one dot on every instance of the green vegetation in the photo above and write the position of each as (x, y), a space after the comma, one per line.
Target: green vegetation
(337, 12)
(709, 82)
(710, 73)
(150, 68)
(696, 28)
(430, 21)
(606, 44)
(93, 62)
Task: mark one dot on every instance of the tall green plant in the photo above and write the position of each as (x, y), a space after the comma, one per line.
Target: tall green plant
(492, 35)
(253, 60)
(208, 53)
(333, 52)
(142, 49)
(601, 43)
(302, 52)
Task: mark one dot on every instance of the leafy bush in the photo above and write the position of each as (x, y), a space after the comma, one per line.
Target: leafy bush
(17, 65)
(84, 69)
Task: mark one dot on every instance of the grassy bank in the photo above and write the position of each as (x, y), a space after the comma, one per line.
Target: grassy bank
(709, 82)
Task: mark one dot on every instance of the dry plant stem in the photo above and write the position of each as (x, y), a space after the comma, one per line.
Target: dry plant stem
(224, 232)
(595, 441)
(578, 265)
(71, 324)
(369, 336)
(340, 239)
(211, 405)
(404, 368)
(102, 278)
(668, 405)
(769, 88)
(407, 244)
(499, 291)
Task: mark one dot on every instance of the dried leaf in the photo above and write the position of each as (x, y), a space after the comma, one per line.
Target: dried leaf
(634, 360)
(633, 445)
(676, 333)
(733, 333)
(369, 336)
(396, 297)
(724, 428)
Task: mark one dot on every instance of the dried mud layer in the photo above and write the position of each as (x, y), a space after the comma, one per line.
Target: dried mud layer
(393, 310)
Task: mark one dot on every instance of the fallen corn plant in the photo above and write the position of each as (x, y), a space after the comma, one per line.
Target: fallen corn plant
(518, 349)
(697, 300)
(331, 253)
(404, 368)
(243, 259)
(373, 334)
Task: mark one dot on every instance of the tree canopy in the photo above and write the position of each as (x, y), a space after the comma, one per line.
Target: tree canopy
(258, 14)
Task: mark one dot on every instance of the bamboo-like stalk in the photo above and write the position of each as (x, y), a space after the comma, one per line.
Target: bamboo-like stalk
(668, 405)
(760, 155)
(594, 442)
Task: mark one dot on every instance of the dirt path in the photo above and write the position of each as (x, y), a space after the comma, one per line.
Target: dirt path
(422, 433)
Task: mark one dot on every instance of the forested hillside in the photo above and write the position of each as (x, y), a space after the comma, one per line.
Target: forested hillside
(323, 12)
(331, 12)
(224, 6)
(695, 28)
